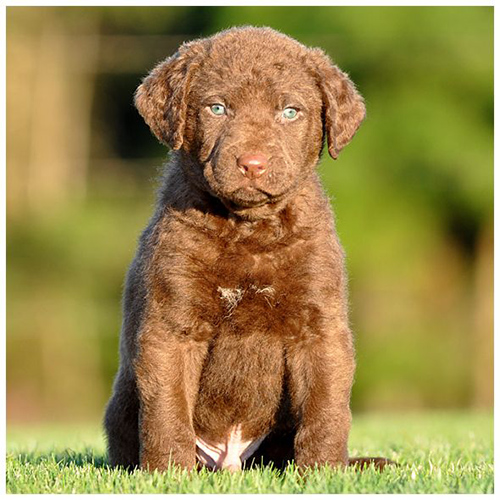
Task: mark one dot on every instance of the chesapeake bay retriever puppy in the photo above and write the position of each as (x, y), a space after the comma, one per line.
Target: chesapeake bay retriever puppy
(236, 344)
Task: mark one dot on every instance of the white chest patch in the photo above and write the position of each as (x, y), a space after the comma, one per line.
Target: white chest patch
(229, 454)
(233, 296)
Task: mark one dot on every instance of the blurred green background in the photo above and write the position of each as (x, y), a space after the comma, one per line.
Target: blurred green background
(413, 194)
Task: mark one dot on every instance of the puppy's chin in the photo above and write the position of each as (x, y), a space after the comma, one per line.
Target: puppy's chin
(254, 207)
(265, 211)
(248, 197)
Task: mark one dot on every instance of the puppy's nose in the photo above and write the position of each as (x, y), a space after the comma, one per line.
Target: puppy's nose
(252, 165)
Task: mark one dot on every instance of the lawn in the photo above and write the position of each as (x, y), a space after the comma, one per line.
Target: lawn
(437, 453)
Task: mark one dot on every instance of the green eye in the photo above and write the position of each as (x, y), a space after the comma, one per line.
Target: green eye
(290, 113)
(218, 109)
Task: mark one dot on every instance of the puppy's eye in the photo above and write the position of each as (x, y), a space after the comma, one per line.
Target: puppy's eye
(218, 109)
(290, 113)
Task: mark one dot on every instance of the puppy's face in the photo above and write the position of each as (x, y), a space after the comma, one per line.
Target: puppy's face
(253, 123)
(250, 107)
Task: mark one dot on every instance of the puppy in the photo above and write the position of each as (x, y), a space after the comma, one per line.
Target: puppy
(235, 346)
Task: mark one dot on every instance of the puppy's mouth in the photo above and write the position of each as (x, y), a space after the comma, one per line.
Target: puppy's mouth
(249, 196)
(240, 194)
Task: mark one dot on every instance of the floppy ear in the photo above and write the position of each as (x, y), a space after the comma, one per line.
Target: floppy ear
(344, 108)
(161, 99)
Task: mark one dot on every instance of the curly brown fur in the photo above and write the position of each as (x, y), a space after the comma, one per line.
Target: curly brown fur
(235, 306)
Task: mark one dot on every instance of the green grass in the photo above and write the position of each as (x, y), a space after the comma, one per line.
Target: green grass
(437, 453)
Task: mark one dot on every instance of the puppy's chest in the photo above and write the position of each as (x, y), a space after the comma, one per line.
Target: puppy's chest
(243, 288)
(247, 284)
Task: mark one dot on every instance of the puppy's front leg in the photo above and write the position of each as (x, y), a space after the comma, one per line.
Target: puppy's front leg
(168, 370)
(321, 370)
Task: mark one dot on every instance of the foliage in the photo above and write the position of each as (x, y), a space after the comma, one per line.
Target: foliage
(413, 196)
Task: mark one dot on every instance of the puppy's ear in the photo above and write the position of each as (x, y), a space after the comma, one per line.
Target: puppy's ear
(161, 99)
(344, 109)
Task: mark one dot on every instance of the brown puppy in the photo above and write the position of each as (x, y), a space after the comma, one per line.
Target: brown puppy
(235, 343)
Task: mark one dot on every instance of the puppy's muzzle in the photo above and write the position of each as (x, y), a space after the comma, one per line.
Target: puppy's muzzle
(252, 166)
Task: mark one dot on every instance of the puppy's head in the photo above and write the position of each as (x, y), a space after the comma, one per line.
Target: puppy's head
(250, 108)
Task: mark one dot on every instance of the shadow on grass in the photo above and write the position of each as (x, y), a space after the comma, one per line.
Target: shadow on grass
(71, 458)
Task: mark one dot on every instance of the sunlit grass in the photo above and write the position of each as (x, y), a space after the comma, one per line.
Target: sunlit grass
(437, 453)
